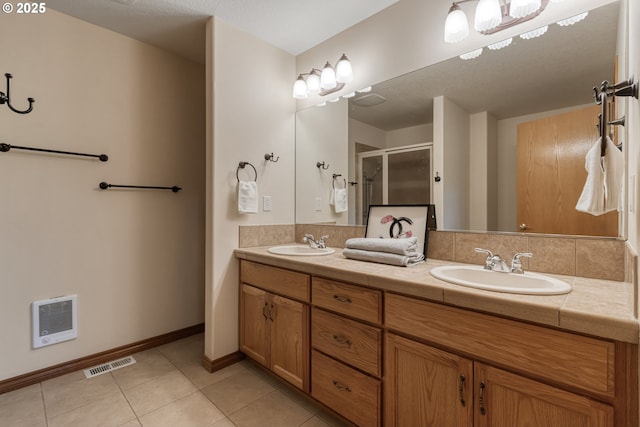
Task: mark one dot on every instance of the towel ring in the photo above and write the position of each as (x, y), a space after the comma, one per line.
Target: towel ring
(241, 165)
(333, 183)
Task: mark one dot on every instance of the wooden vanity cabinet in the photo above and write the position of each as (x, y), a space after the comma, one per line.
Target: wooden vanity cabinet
(346, 340)
(274, 320)
(450, 367)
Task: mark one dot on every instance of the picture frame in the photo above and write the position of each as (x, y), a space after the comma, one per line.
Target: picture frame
(396, 221)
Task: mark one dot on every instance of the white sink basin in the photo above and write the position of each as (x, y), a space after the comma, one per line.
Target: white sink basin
(478, 277)
(300, 250)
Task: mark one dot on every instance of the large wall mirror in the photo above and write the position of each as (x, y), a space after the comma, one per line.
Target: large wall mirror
(544, 80)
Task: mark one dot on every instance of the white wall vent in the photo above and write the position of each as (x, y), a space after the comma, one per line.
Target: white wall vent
(54, 320)
(108, 367)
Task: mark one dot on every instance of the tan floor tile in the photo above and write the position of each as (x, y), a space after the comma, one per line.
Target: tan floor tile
(237, 391)
(184, 351)
(274, 409)
(225, 422)
(111, 411)
(194, 410)
(23, 407)
(203, 378)
(73, 391)
(158, 392)
(149, 365)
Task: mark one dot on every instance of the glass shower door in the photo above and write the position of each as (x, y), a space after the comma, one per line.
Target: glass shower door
(372, 183)
(408, 177)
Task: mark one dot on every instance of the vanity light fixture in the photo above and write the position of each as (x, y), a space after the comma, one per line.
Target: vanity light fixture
(325, 81)
(491, 16)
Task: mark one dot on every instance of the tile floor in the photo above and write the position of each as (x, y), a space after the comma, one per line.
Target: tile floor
(165, 387)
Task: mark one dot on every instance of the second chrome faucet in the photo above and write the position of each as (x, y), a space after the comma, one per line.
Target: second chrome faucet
(496, 263)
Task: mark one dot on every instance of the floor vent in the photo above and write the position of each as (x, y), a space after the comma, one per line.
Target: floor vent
(108, 367)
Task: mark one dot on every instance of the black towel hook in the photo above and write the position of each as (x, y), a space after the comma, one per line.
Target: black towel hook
(270, 157)
(6, 98)
(322, 165)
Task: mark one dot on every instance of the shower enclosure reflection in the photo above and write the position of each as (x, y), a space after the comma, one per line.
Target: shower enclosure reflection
(397, 176)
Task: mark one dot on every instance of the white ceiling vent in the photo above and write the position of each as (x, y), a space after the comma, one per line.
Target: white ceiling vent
(108, 367)
(369, 100)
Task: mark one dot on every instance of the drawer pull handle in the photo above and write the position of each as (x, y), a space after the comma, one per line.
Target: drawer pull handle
(483, 411)
(341, 386)
(461, 391)
(342, 299)
(343, 341)
(264, 310)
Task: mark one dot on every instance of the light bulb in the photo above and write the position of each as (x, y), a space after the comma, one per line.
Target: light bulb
(313, 82)
(328, 77)
(456, 27)
(344, 72)
(488, 15)
(522, 8)
(300, 88)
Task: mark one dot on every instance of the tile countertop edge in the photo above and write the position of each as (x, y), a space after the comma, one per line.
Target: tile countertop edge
(555, 310)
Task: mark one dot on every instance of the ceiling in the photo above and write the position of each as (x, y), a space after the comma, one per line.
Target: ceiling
(179, 25)
(553, 71)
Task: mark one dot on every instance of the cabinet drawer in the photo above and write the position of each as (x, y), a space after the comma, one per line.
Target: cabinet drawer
(352, 394)
(277, 280)
(575, 360)
(352, 342)
(355, 301)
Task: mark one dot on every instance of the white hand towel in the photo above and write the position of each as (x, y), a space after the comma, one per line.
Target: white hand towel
(247, 197)
(403, 246)
(603, 187)
(340, 200)
(613, 163)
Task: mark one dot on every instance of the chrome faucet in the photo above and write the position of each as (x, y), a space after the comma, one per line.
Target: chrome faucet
(493, 262)
(516, 262)
(315, 244)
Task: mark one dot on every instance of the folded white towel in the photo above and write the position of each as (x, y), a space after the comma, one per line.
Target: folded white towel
(247, 197)
(602, 190)
(383, 257)
(404, 246)
(340, 200)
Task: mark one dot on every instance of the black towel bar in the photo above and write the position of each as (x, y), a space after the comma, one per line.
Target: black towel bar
(104, 186)
(6, 147)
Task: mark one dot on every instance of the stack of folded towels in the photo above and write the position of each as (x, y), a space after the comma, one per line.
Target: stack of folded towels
(400, 252)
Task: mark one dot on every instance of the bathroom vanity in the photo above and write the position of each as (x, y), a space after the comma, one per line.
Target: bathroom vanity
(384, 345)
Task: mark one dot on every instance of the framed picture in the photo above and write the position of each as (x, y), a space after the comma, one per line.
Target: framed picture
(399, 221)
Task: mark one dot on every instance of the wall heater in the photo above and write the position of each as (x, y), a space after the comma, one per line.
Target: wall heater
(54, 320)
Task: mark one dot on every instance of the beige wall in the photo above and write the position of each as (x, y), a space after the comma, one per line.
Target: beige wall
(134, 258)
(250, 112)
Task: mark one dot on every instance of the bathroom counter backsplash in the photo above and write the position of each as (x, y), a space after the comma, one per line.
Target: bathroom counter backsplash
(603, 308)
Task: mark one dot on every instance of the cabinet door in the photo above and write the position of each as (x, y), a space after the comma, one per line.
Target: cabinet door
(504, 399)
(425, 386)
(254, 326)
(290, 340)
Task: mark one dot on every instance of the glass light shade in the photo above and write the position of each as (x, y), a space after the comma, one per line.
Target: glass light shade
(456, 27)
(313, 82)
(344, 72)
(500, 44)
(300, 88)
(349, 95)
(471, 55)
(364, 89)
(488, 15)
(522, 8)
(573, 19)
(534, 33)
(328, 77)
